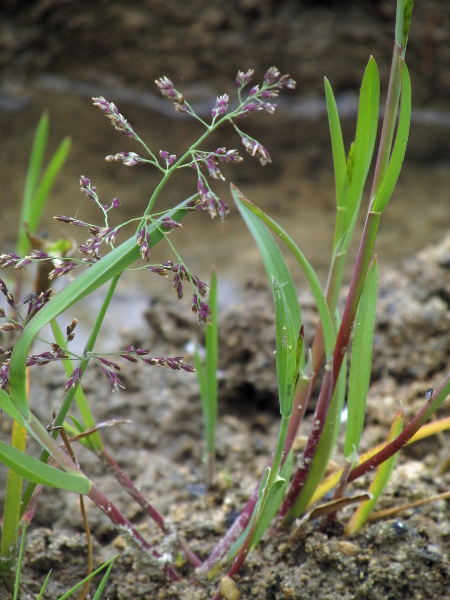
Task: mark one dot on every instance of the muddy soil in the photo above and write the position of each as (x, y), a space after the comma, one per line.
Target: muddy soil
(403, 557)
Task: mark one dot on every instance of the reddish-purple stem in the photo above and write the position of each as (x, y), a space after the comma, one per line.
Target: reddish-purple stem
(121, 521)
(131, 489)
(320, 415)
(413, 426)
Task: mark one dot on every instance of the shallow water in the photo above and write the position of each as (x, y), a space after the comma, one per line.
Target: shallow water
(297, 189)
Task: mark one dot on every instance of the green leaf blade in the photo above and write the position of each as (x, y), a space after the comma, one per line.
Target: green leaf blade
(384, 194)
(361, 361)
(37, 472)
(46, 183)
(313, 280)
(379, 483)
(101, 272)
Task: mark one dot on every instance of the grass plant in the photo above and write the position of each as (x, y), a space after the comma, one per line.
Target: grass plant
(289, 486)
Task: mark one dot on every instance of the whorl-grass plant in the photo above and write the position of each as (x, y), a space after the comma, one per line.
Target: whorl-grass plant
(289, 486)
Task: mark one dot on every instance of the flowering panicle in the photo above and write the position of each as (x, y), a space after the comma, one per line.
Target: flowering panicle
(39, 360)
(167, 89)
(44, 358)
(255, 149)
(73, 379)
(109, 109)
(100, 234)
(113, 379)
(182, 274)
(62, 269)
(167, 157)
(176, 363)
(9, 260)
(70, 330)
(221, 106)
(170, 224)
(129, 159)
(143, 241)
(4, 374)
(273, 83)
(202, 310)
(9, 297)
(71, 221)
(209, 201)
(130, 353)
(91, 193)
(242, 79)
(37, 302)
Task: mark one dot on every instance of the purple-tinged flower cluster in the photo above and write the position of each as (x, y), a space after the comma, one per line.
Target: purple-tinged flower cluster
(274, 77)
(9, 260)
(202, 310)
(170, 224)
(99, 235)
(9, 297)
(12, 260)
(71, 221)
(175, 363)
(143, 241)
(129, 159)
(167, 89)
(212, 159)
(255, 149)
(44, 358)
(130, 353)
(168, 158)
(70, 330)
(221, 106)
(39, 360)
(37, 302)
(11, 327)
(91, 193)
(209, 201)
(113, 379)
(62, 269)
(273, 83)
(109, 109)
(73, 379)
(4, 374)
(243, 79)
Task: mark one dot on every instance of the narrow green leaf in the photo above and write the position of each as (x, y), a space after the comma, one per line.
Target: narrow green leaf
(340, 165)
(366, 131)
(34, 470)
(337, 142)
(327, 323)
(211, 366)
(19, 564)
(407, 15)
(7, 405)
(241, 539)
(380, 481)
(44, 585)
(286, 350)
(361, 361)
(270, 253)
(326, 444)
(108, 267)
(94, 441)
(43, 190)
(384, 194)
(109, 563)
(104, 580)
(32, 178)
(275, 498)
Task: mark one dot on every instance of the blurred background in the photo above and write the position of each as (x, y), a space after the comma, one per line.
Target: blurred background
(56, 54)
